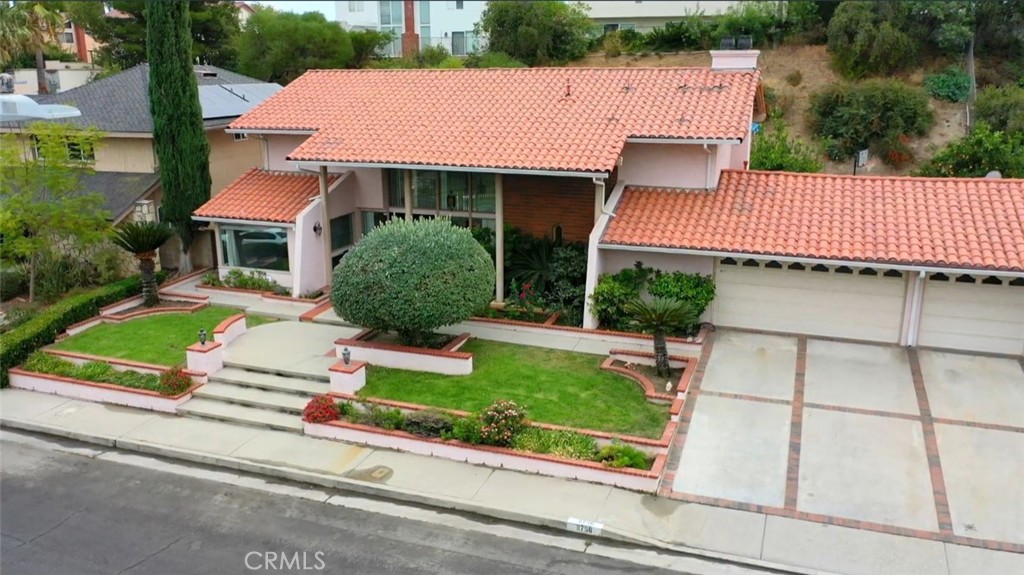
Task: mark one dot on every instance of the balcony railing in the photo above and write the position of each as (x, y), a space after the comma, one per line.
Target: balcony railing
(457, 45)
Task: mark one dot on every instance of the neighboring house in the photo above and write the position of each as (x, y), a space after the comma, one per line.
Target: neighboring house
(125, 162)
(60, 77)
(433, 23)
(643, 164)
(644, 16)
(244, 11)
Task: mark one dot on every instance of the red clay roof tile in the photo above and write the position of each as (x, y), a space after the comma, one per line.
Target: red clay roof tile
(572, 119)
(260, 195)
(942, 222)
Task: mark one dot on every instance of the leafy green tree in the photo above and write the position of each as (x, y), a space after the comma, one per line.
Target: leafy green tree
(30, 27)
(412, 278)
(536, 33)
(42, 200)
(977, 154)
(142, 239)
(658, 317)
(368, 45)
(122, 40)
(1002, 108)
(775, 151)
(869, 38)
(281, 46)
(181, 144)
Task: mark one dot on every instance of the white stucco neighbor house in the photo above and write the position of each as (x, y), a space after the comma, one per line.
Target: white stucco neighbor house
(437, 23)
(642, 164)
(645, 15)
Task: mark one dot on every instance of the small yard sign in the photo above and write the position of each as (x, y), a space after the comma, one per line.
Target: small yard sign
(583, 526)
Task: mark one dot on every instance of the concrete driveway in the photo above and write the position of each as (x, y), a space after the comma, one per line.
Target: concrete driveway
(917, 442)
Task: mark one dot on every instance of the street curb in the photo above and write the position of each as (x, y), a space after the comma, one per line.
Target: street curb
(391, 493)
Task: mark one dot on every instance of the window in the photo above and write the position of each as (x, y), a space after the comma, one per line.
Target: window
(424, 190)
(241, 137)
(609, 28)
(459, 43)
(455, 189)
(483, 193)
(372, 220)
(392, 18)
(75, 151)
(341, 232)
(356, 6)
(256, 247)
(395, 188)
(459, 5)
(461, 196)
(68, 35)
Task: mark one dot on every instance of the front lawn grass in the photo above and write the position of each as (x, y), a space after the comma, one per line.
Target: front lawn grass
(160, 339)
(559, 387)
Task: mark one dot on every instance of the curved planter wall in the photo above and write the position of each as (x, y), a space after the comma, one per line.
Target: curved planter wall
(98, 392)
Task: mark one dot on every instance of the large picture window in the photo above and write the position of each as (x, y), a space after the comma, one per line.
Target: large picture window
(256, 247)
(467, 198)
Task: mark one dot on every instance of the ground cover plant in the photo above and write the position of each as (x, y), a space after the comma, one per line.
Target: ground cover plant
(172, 382)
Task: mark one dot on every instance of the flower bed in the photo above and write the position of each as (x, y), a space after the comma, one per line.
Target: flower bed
(447, 360)
(258, 284)
(498, 436)
(106, 382)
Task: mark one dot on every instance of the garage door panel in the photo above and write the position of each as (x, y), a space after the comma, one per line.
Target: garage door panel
(973, 317)
(815, 303)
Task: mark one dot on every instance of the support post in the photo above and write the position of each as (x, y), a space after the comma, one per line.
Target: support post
(325, 223)
(598, 198)
(217, 244)
(499, 238)
(407, 193)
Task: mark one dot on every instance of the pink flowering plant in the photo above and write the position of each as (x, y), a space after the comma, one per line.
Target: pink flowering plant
(525, 303)
(501, 422)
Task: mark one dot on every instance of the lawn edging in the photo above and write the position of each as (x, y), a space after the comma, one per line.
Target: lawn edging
(113, 317)
(693, 344)
(445, 361)
(74, 388)
(230, 328)
(267, 295)
(495, 457)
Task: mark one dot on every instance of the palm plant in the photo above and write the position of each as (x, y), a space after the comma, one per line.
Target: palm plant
(142, 239)
(658, 317)
(29, 27)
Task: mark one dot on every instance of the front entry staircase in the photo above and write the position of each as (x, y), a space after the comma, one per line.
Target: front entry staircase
(242, 394)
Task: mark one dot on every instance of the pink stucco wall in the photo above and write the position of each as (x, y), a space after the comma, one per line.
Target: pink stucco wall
(664, 165)
(309, 264)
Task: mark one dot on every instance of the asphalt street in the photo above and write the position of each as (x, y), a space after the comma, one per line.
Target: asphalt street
(68, 514)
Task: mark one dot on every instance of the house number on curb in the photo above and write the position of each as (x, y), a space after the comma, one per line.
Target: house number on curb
(583, 526)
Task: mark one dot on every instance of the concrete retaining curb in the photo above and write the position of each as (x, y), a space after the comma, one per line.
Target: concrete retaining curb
(391, 493)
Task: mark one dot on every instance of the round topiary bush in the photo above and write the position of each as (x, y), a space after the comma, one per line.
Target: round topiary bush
(412, 278)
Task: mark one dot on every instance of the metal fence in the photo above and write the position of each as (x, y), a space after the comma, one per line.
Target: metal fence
(457, 44)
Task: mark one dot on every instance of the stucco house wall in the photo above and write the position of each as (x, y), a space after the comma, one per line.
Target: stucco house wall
(665, 165)
(230, 158)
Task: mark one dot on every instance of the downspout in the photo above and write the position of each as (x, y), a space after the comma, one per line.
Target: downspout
(499, 238)
(915, 310)
(707, 175)
(598, 198)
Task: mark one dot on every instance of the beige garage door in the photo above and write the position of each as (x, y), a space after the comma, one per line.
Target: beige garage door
(973, 313)
(821, 300)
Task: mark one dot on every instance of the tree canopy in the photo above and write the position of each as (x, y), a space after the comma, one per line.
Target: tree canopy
(977, 154)
(214, 29)
(775, 151)
(181, 144)
(281, 46)
(536, 33)
(40, 192)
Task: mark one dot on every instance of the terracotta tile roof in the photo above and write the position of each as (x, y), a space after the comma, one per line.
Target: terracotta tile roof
(260, 195)
(504, 118)
(941, 222)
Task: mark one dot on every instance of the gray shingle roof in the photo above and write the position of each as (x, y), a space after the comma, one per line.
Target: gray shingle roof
(120, 103)
(119, 189)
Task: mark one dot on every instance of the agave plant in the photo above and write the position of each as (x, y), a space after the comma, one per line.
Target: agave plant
(658, 317)
(142, 239)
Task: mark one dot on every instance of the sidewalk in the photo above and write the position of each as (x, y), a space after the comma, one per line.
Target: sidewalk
(750, 538)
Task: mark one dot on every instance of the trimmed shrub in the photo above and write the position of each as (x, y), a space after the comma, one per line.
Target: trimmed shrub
(382, 417)
(492, 60)
(17, 344)
(615, 292)
(952, 84)
(619, 455)
(174, 381)
(1002, 108)
(612, 45)
(412, 278)
(501, 422)
(253, 280)
(773, 150)
(320, 409)
(433, 56)
(567, 291)
(428, 423)
(466, 429)
(850, 117)
(978, 153)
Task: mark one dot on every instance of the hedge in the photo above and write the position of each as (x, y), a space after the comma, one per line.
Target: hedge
(17, 344)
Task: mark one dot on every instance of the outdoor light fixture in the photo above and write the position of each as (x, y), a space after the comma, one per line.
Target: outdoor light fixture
(346, 355)
(318, 229)
(202, 337)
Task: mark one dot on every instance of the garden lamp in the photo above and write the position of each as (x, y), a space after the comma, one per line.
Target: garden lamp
(202, 337)
(346, 355)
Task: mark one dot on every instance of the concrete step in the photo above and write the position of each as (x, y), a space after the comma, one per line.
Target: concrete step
(220, 411)
(253, 397)
(271, 382)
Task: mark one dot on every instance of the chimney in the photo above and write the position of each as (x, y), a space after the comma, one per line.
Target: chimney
(734, 59)
(410, 39)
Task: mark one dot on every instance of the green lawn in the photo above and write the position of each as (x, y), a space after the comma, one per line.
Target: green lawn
(159, 339)
(557, 387)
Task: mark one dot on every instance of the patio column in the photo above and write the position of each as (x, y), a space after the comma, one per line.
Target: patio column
(407, 192)
(499, 239)
(217, 244)
(325, 223)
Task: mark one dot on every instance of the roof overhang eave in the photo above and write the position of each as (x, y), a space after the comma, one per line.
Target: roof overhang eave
(691, 141)
(256, 131)
(315, 164)
(244, 222)
(812, 261)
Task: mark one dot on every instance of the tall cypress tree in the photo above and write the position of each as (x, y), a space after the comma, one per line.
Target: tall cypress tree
(181, 144)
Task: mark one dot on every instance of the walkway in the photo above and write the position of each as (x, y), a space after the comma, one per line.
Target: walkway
(751, 537)
(252, 304)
